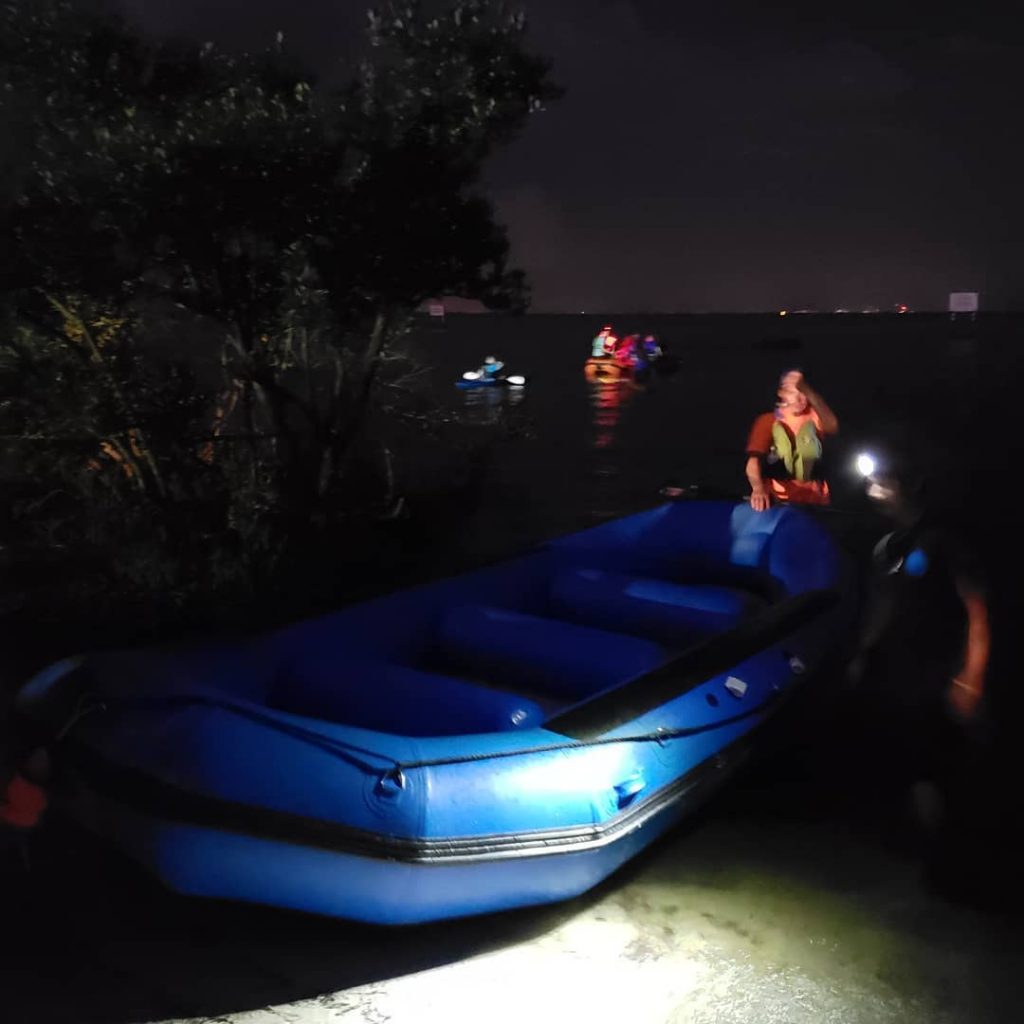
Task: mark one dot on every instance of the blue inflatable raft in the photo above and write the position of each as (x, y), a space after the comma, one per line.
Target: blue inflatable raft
(502, 738)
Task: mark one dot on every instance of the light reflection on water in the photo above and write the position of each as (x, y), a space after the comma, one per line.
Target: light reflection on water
(606, 446)
(596, 450)
(608, 400)
(485, 407)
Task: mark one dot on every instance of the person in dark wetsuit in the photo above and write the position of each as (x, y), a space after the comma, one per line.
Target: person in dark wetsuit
(933, 667)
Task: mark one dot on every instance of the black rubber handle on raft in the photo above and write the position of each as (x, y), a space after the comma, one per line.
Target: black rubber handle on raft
(697, 665)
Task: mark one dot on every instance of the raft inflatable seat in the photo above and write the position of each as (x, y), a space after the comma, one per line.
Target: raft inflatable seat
(692, 544)
(668, 613)
(558, 659)
(391, 698)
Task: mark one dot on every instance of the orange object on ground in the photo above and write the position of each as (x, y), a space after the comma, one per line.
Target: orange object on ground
(23, 804)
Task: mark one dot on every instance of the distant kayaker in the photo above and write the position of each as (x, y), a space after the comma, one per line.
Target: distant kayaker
(491, 368)
(626, 350)
(604, 343)
(784, 448)
(651, 348)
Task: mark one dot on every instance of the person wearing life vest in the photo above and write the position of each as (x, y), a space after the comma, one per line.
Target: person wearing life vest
(626, 350)
(929, 564)
(784, 447)
(651, 348)
(491, 368)
(604, 343)
(937, 671)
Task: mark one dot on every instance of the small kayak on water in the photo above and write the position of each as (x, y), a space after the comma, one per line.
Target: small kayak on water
(605, 368)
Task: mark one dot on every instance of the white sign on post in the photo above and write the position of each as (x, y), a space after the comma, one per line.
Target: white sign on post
(436, 309)
(963, 302)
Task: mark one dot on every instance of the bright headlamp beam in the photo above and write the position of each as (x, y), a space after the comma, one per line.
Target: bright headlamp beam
(866, 464)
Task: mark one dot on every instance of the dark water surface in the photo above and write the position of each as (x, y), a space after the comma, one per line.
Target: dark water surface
(797, 896)
(596, 450)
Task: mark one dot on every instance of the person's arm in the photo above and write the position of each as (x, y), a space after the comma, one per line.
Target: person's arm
(829, 421)
(758, 444)
(968, 685)
(759, 498)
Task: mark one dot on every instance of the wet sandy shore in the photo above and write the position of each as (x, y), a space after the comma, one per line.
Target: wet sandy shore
(776, 904)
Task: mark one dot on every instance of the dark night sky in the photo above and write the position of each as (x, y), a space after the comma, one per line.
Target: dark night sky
(730, 158)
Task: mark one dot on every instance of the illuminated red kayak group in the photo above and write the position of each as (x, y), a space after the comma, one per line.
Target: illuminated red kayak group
(614, 357)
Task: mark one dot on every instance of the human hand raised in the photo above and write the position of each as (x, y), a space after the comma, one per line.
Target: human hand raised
(794, 380)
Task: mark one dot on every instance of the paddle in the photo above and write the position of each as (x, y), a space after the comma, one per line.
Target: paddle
(513, 380)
